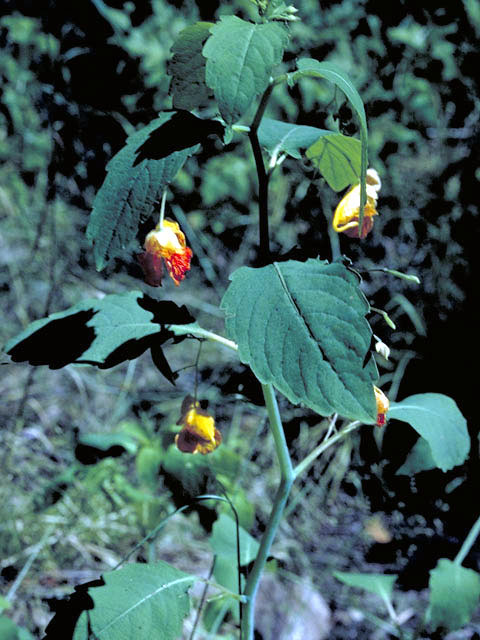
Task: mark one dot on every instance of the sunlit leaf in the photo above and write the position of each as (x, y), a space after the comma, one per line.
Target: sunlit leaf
(187, 67)
(132, 190)
(338, 158)
(240, 59)
(282, 137)
(224, 541)
(454, 595)
(302, 327)
(438, 420)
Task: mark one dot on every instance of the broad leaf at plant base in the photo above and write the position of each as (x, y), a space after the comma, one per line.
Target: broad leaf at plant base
(378, 583)
(438, 420)
(240, 59)
(301, 326)
(131, 191)
(141, 601)
(454, 595)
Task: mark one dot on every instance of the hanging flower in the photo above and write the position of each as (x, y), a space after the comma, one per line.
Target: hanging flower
(198, 434)
(345, 219)
(166, 242)
(382, 406)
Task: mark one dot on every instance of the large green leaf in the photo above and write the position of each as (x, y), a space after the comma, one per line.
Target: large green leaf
(102, 332)
(302, 327)
(141, 601)
(438, 420)
(187, 67)
(282, 137)
(378, 583)
(131, 191)
(338, 158)
(454, 595)
(240, 59)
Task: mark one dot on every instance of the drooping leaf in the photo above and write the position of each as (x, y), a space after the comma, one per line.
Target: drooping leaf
(378, 583)
(419, 459)
(309, 67)
(187, 67)
(333, 73)
(131, 190)
(338, 158)
(101, 332)
(454, 595)
(140, 601)
(302, 327)
(282, 137)
(438, 420)
(240, 59)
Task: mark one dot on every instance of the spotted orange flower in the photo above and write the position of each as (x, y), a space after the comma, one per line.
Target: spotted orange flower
(383, 405)
(198, 434)
(345, 219)
(166, 242)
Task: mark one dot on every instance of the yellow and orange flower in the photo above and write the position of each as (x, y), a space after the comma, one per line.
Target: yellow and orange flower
(383, 405)
(198, 434)
(345, 219)
(166, 242)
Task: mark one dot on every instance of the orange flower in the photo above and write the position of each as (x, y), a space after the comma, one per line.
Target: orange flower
(345, 219)
(198, 434)
(382, 406)
(165, 242)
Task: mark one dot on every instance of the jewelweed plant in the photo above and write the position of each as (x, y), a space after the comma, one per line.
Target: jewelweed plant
(301, 326)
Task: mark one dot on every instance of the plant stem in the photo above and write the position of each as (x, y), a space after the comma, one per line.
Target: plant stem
(286, 481)
(468, 543)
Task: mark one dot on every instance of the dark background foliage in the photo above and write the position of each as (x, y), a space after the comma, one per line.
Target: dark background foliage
(77, 78)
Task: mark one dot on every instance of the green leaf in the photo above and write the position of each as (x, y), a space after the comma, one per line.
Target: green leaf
(148, 465)
(419, 459)
(277, 137)
(309, 67)
(102, 332)
(4, 603)
(240, 59)
(131, 191)
(10, 631)
(104, 441)
(454, 595)
(438, 420)
(377, 583)
(224, 541)
(338, 158)
(187, 67)
(302, 327)
(139, 601)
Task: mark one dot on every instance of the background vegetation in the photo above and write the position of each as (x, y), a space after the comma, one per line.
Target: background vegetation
(74, 82)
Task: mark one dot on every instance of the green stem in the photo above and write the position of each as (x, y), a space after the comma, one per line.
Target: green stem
(286, 481)
(313, 455)
(468, 543)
